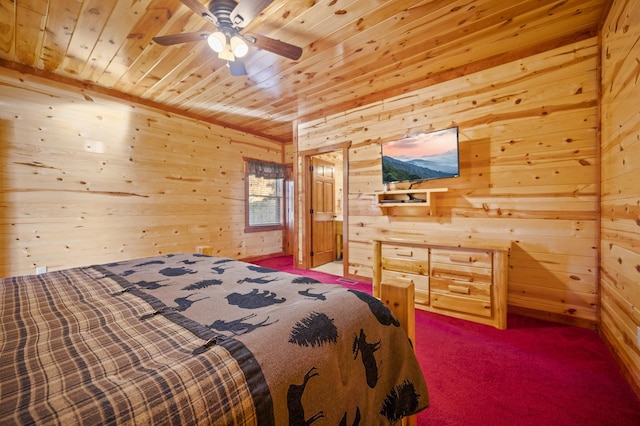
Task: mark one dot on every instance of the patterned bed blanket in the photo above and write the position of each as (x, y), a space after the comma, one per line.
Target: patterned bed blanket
(192, 339)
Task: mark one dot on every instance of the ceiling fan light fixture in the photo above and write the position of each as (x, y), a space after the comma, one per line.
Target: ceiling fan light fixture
(226, 54)
(230, 17)
(238, 47)
(217, 41)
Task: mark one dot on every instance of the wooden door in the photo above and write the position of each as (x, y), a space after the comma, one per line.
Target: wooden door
(322, 212)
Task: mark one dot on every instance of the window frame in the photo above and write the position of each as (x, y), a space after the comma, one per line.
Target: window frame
(247, 173)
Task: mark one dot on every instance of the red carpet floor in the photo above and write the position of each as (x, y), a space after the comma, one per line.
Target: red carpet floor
(533, 373)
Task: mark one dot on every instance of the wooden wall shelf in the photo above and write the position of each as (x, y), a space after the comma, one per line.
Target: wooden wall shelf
(407, 198)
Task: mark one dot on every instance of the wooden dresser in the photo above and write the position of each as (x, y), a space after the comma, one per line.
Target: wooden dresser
(465, 280)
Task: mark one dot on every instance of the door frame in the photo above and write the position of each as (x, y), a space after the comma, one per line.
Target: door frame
(289, 230)
(305, 225)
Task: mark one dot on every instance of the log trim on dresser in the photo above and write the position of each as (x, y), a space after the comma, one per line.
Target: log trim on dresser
(465, 280)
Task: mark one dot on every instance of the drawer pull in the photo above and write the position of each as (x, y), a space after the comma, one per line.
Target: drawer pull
(402, 279)
(459, 289)
(404, 253)
(461, 258)
(452, 275)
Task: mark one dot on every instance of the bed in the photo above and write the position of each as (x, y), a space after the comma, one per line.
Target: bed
(195, 339)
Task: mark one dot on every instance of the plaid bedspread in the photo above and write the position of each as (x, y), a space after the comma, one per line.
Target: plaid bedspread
(190, 339)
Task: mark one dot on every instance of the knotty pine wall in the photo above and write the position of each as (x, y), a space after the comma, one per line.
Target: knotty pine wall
(88, 179)
(529, 173)
(620, 262)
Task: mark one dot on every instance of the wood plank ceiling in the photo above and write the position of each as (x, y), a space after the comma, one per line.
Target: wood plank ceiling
(354, 51)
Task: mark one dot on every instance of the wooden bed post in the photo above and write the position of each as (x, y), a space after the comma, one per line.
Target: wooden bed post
(400, 300)
(206, 250)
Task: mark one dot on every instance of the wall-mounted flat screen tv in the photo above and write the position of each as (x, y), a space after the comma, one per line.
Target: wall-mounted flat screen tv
(421, 157)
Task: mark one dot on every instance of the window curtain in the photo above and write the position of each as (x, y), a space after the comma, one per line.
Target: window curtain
(265, 169)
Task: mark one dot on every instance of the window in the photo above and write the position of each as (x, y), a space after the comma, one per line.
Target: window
(265, 195)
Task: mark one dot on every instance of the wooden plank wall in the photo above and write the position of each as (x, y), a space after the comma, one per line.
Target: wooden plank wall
(620, 263)
(529, 173)
(86, 179)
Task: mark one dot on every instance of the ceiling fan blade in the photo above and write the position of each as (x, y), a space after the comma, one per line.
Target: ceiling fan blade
(172, 39)
(247, 10)
(275, 46)
(237, 68)
(200, 9)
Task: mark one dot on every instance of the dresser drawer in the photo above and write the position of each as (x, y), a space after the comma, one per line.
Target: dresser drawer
(413, 260)
(471, 298)
(462, 266)
(420, 283)
(461, 275)
(403, 252)
(460, 257)
(479, 291)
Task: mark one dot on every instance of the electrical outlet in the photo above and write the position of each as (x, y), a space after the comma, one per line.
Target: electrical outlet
(41, 270)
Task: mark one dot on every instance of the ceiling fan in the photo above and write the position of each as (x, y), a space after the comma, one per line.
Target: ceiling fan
(230, 18)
